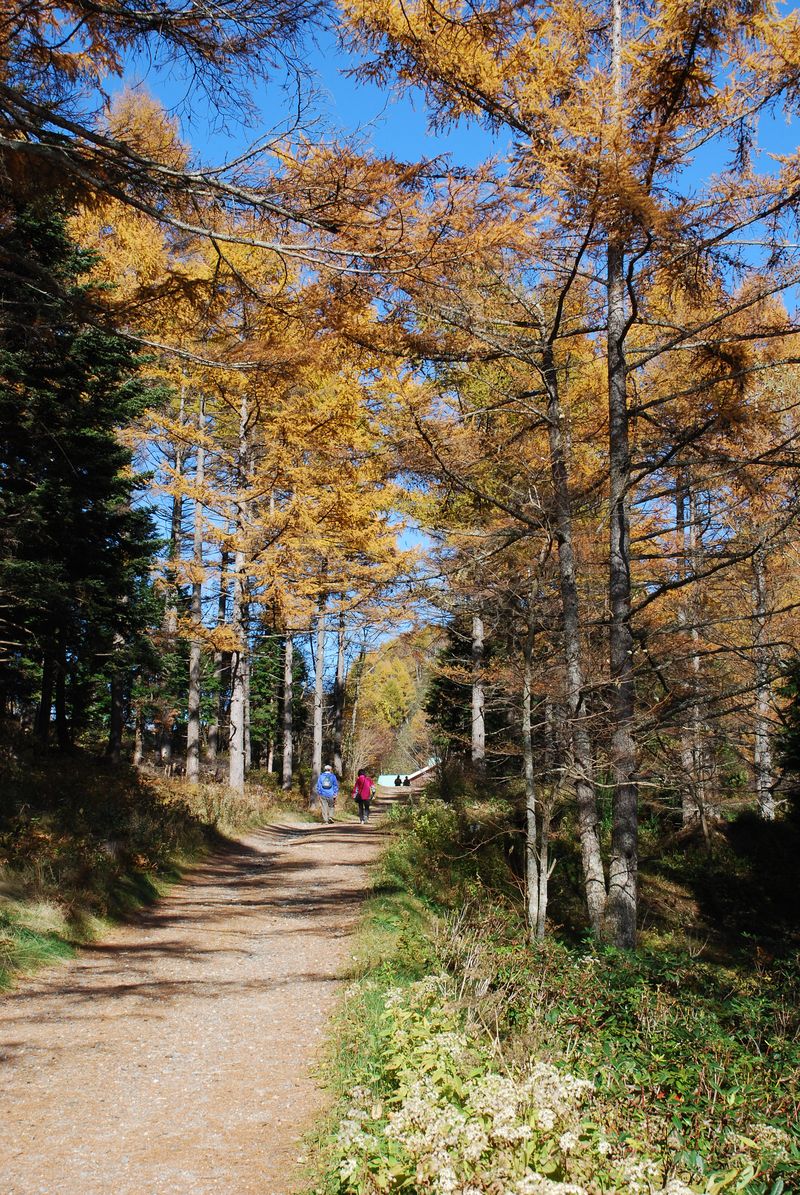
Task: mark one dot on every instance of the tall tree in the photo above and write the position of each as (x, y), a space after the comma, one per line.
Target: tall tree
(606, 111)
(73, 545)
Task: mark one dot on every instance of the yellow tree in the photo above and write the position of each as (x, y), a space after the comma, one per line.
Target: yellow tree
(607, 104)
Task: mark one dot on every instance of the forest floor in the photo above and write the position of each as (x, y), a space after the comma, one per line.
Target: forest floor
(178, 1054)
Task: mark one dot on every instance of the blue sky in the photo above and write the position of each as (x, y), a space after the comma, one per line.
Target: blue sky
(335, 104)
(385, 122)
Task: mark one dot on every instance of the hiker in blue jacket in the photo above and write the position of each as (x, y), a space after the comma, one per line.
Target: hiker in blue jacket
(327, 791)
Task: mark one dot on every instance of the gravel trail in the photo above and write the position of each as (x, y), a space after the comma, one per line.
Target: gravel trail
(177, 1055)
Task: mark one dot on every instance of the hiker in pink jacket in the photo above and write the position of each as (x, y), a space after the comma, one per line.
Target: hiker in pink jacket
(362, 794)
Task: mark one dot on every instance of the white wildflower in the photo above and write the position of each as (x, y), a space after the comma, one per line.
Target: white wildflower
(769, 1136)
(447, 1181)
(497, 1099)
(348, 1167)
(568, 1141)
(394, 997)
(534, 1183)
(476, 1145)
(640, 1174)
(546, 1119)
(556, 1089)
(676, 1187)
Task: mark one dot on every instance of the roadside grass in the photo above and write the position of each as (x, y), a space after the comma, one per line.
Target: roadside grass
(575, 1068)
(393, 950)
(83, 845)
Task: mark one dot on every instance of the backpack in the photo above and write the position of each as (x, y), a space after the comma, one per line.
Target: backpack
(327, 780)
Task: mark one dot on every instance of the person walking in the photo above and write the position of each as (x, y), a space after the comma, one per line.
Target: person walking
(327, 791)
(362, 794)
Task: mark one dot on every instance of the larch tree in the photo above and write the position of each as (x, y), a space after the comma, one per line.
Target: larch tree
(607, 105)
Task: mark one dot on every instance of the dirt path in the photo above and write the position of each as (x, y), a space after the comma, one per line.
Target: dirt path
(177, 1056)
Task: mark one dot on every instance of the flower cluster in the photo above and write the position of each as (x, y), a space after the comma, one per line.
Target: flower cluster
(449, 1124)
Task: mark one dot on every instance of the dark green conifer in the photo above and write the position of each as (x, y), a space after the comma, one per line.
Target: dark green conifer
(73, 544)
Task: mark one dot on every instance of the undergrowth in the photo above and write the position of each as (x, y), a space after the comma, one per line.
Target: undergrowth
(470, 1063)
(84, 843)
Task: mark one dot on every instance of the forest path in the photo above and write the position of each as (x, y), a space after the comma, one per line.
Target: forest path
(176, 1055)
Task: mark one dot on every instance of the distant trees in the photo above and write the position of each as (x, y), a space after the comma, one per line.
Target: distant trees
(388, 690)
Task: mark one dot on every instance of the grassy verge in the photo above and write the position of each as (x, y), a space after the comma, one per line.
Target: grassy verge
(82, 845)
(468, 1062)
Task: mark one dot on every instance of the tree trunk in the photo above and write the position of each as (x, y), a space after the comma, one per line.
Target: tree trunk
(195, 649)
(622, 894)
(116, 717)
(215, 735)
(579, 738)
(319, 673)
(238, 714)
(166, 715)
(545, 867)
(288, 697)
(478, 694)
(175, 525)
(236, 770)
(248, 741)
(532, 887)
(762, 751)
(693, 796)
(62, 722)
(43, 714)
(138, 739)
(338, 697)
(354, 755)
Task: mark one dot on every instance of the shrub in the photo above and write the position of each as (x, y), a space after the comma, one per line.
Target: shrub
(440, 1119)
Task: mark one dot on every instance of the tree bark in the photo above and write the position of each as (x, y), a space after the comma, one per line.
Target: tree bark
(353, 749)
(236, 748)
(43, 714)
(195, 649)
(175, 528)
(580, 740)
(478, 693)
(238, 714)
(762, 751)
(623, 866)
(545, 867)
(248, 740)
(138, 737)
(338, 697)
(319, 673)
(215, 736)
(693, 800)
(116, 717)
(63, 736)
(288, 697)
(532, 886)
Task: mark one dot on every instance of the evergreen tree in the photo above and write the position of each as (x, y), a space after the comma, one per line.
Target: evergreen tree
(72, 544)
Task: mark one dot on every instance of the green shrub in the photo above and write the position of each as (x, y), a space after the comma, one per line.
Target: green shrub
(449, 853)
(691, 1057)
(688, 1068)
